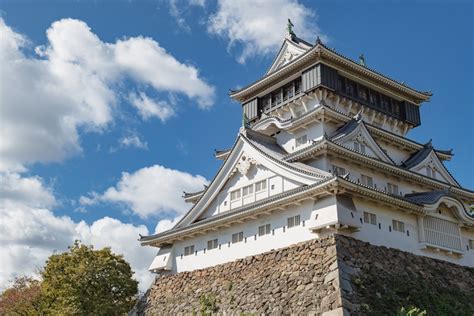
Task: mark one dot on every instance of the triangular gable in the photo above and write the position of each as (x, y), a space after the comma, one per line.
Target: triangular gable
(289, 51)
(433, 162)
(243, 156)
(356, 131)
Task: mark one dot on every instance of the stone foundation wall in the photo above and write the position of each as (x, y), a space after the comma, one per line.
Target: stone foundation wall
(333, 276)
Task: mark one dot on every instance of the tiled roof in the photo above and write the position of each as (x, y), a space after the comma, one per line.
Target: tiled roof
(419, 156)
(429, 197)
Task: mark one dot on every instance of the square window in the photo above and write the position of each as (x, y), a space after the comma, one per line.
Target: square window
(235, 195)
(247, 190)
(392, 188)
(189, 250)
(264, 230)
(370, 218)
(300, 141)
(261, 186)
(366, 180)
(293, 221)
(338, 171)
(398, 226)
(212, 244)
(237, 237)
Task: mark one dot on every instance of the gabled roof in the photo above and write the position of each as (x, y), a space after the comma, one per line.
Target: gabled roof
(291, 48)
(357, 126)
(321, 52)
(425, 155)
(267, 152)
(380, 132)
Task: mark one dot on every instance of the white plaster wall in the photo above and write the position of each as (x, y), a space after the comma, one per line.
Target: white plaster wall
(381, 236)
(288, 140)
(280, 238)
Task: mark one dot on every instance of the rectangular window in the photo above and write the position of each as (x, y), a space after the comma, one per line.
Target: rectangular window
(235, 195)
(237, 237)
(294, 221)
(301, 140)
(392, 188)
(366, 180)
(398, 226)
(189, 250)
(261, 186)
(297, 86)
(370, 218)
(247, 190)
(471, 244)
(359, 147)
(363, 93)
(264, 230)
(338, 171)
(212, 244)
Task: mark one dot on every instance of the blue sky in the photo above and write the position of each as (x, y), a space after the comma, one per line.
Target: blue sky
(427, 44)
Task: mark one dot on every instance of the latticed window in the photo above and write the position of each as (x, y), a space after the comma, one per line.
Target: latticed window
(237, 237)
(441, 232)
(366, 180)
(294, 221)
(398, 226)
(212, 244)
(247, 190)
(189, 250)
(235, 195)
(339, 171)
(264, 230)
(370, 218)
(301, 140)
(261, 186)
(392, 188)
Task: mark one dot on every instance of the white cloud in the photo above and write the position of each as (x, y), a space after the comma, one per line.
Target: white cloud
(73, 83)
(148, 108)
(259, 26)
(133, 141)
(31, 233)
(153, 191)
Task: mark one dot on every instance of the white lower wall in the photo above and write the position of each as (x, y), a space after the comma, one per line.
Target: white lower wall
(312, 214)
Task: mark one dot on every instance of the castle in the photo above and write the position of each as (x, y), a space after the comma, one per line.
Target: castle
(323, 150)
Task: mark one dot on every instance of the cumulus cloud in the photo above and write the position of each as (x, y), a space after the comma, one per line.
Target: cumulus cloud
(153, 191)
(148, 107)
(31, 233)
(259, 26)
(74, 82)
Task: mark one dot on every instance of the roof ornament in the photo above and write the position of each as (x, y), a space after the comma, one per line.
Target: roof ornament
(429, 144)
(362, 60)
(318, 40)
(289, 27)
(358, 116)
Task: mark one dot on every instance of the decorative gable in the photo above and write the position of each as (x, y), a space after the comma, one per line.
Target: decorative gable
(432, 167)
(354, 135)
(289, 51)
(250, 161)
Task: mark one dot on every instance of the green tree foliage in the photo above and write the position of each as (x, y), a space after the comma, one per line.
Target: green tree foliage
(22, 298)
(412, 311)
(84, 281)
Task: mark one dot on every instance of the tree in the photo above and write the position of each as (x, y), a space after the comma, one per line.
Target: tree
(84, 281)
(22, 298)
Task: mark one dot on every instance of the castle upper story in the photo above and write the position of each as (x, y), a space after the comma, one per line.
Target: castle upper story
(303, 73)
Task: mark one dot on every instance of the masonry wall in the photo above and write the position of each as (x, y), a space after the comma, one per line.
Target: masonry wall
(332, 276)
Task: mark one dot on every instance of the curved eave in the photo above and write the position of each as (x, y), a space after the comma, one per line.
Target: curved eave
(316, 53)
(325, 144)
(331, 186)
(293, 123)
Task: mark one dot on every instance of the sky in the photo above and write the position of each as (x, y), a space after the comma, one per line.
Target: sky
(109, 110)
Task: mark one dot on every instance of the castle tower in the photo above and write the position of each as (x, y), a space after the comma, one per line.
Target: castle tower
(323, 150)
